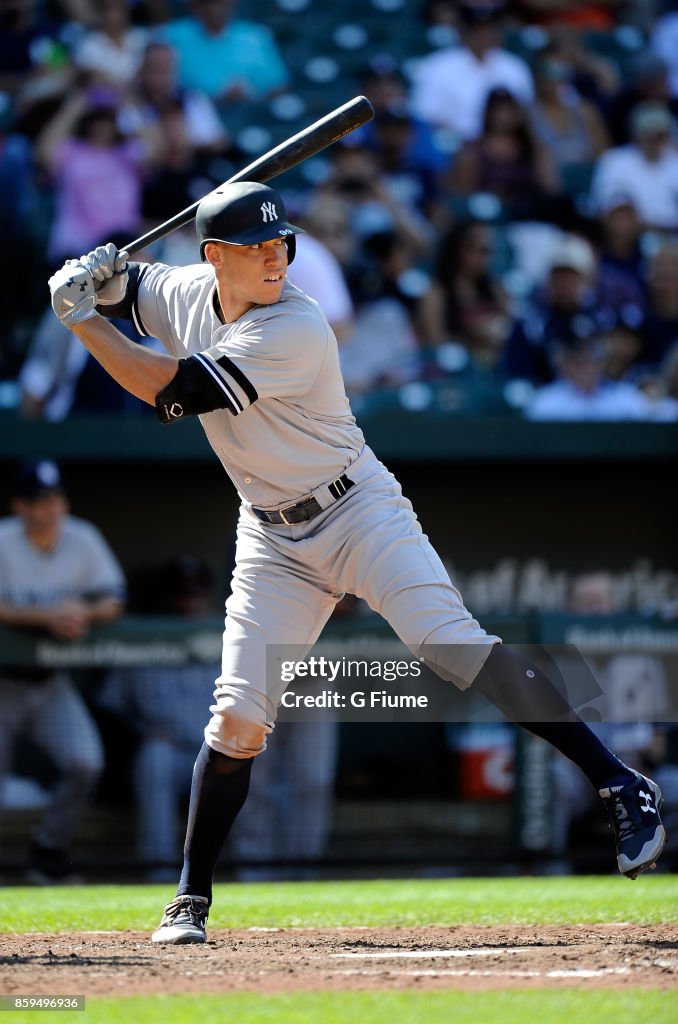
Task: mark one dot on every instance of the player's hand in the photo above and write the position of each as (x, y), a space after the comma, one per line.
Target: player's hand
(73, 294)
(68, 620)
(108, 267)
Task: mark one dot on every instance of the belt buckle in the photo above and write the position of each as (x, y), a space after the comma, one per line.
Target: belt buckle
(282, 511)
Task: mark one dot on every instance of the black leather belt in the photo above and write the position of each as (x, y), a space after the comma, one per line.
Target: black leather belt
(303, 510)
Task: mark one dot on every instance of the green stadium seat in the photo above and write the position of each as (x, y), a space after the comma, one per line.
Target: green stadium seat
(576, 179)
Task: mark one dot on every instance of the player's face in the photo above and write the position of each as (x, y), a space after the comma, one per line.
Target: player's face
(249, 275)
(43, 513)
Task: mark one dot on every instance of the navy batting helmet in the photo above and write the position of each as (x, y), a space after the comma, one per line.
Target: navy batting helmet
(244, 213)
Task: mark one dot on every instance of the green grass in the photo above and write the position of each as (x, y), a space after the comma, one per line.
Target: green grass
(649, 900)
(513, 1007)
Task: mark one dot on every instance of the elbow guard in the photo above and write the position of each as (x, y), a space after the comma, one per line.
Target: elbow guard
(190, 392)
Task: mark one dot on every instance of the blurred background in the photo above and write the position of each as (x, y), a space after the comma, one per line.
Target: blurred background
(498, 255)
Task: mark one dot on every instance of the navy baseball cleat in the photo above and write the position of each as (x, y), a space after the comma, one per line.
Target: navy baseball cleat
(638, 830)
(183, 921)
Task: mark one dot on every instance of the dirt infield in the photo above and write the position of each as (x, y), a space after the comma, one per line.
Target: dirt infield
(272, 961)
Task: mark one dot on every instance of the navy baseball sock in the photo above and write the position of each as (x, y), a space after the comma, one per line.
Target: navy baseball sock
(522, 691)
(218, 791)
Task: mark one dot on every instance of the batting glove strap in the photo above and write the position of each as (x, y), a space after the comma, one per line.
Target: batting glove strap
(108, 267)
(73, 293)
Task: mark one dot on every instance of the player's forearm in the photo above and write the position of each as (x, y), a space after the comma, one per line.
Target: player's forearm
(16, 615)
(141, 371)
(104, 609)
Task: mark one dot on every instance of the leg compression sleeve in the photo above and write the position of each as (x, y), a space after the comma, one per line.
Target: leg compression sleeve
(218, 792)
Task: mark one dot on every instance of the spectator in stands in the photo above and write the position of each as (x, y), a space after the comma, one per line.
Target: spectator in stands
(565, 123)
(594, 76)
(622, 269)
(373, 201)
(581, 391)
(383, 348)
(156, 87)
(505, 159)
(451, 86)
(646, 170)
(318, 272)
(648, 83)
(565, 306)
(228, 58)
(166, 708)
(329, 220)
(88, 158)
(441, 14)
(664, 43)
(662, 320)
(386, 87)
(466, 303)
(409, 176)
(624, 342)
(633, 705)
(59, 577)
(582, 16)
(184, 174)
(19, 249)
(34, 61)
(111, 54)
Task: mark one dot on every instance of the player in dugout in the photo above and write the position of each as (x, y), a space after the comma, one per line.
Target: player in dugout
(255, 359)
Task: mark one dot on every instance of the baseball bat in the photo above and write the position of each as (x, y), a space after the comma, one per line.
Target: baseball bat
(306, 143)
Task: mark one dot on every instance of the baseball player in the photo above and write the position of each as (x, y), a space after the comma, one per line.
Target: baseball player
(57, 575)
(255, 359)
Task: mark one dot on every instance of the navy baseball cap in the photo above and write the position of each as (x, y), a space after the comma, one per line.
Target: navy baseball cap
(37, 478)
(482, 12)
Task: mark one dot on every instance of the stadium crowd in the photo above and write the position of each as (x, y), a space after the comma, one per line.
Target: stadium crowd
(509, 220)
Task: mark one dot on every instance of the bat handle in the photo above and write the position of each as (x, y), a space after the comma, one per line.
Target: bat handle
(288, 154)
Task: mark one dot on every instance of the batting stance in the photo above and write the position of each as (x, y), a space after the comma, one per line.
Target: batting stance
(255, 359)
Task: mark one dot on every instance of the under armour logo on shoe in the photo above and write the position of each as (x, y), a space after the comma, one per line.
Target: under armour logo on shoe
(647, 806)
(269, 212)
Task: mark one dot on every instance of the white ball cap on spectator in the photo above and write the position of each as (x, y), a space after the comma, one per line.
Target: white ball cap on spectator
(616, 201)
(649, 119)
(573, 253)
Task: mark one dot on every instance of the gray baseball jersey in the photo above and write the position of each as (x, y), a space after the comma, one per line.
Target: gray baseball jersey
(81, 564)
(279, 362)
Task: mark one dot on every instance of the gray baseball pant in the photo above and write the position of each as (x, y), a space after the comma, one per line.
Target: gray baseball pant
(288, 579)
(54, 716)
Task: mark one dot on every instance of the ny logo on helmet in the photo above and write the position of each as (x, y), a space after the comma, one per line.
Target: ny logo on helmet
(269, 212)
